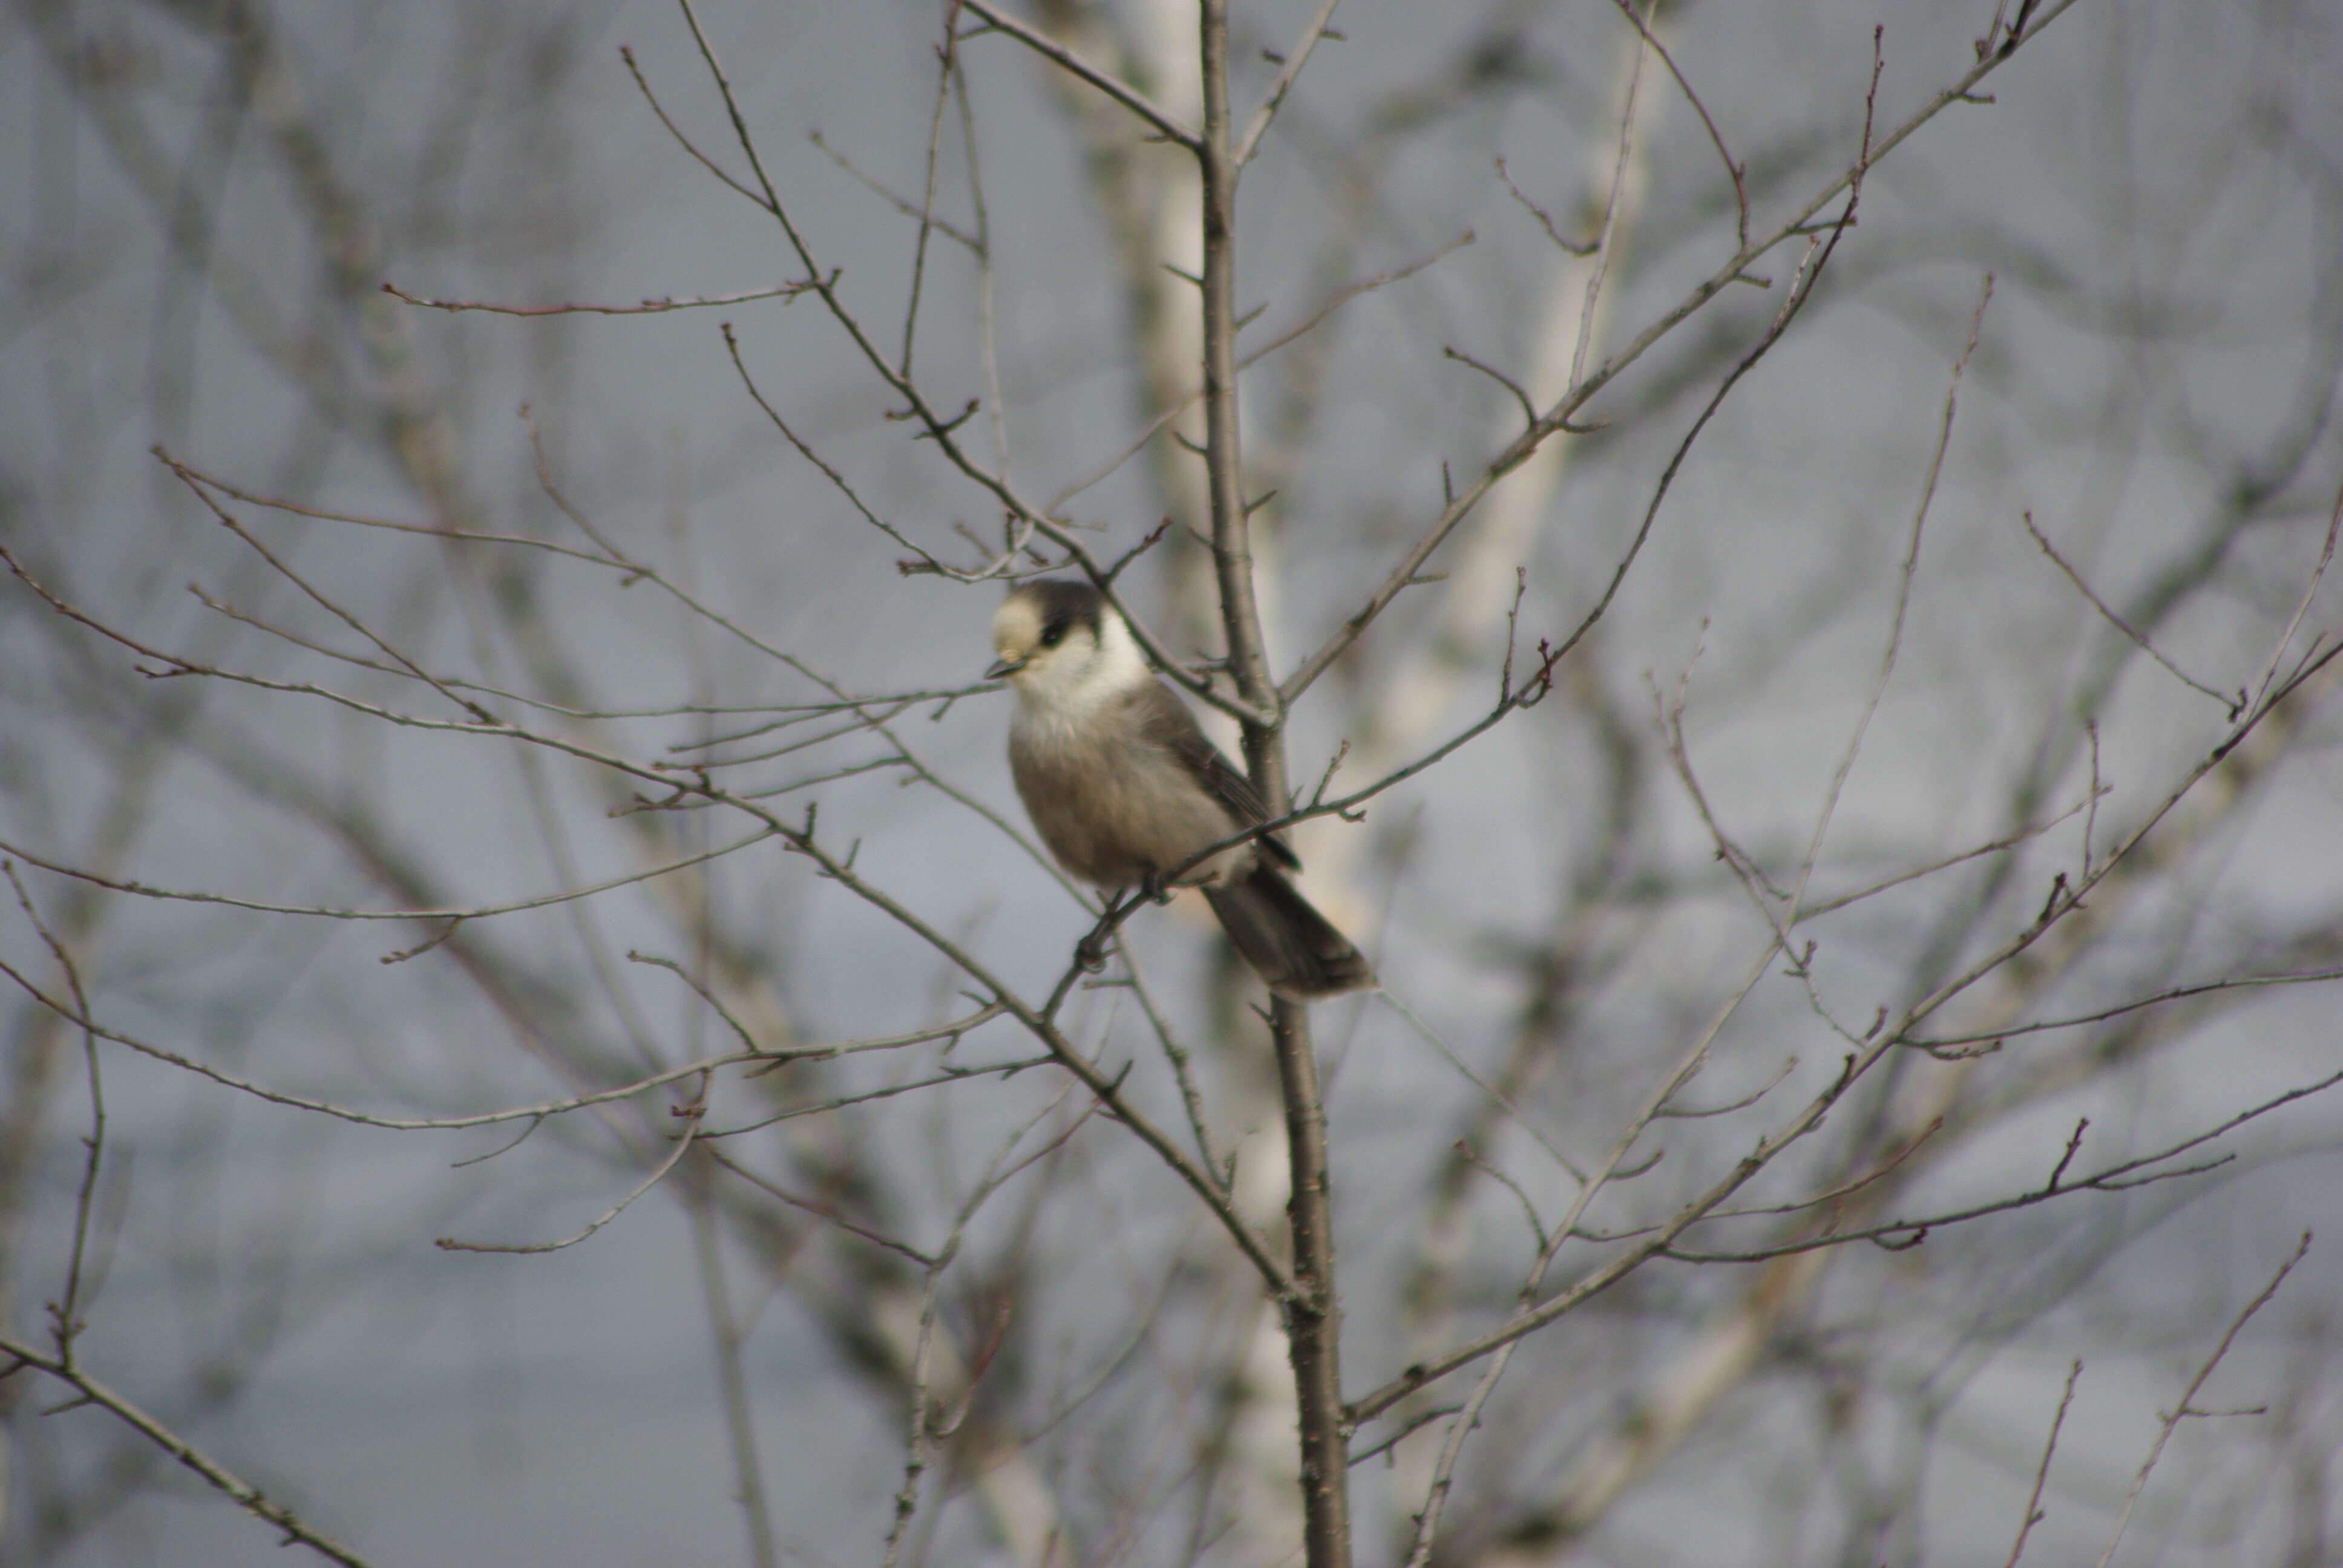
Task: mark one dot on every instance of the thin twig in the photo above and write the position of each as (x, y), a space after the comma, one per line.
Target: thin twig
(215, 1474)
(950, 1075)
(908, 209)
(988, 343)
(690, 1115)
(1896, 625)
(2122, 1177)
(285, 571)
(948, 66)
(430, 531)
(759, 1059)
(927, 1425)
(2091, 817)
(1182, 1069)
(1737, 173)
(1605, 248)
(2234, 701)
(1459, 504)
(1496, 1173)
(482, 912)
(2182, 1410)
(642, 307)
(1106, 82)
(1452, 1447)
(1545, 219)
(64, 1314)
(2034, 1514)
(1326, 308)
(2309, 593)
(1295, 58)
(819, 1211)
(1422, 1420)
(2176, 993)
(1484, 1086)
(1530, 1318)
(676, 131)
(2034, 830)
(837, 479)
(1529, 410)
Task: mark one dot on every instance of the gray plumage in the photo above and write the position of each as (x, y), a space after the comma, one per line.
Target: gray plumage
(1123, 786)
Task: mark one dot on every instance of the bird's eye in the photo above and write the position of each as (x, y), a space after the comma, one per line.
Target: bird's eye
(1053, 635)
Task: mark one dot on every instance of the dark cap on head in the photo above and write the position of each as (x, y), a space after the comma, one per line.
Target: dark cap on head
(1062, 604)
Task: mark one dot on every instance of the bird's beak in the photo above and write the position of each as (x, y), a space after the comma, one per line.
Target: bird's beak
(1004, 667)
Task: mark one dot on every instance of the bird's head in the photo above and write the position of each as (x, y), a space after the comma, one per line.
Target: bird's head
(1061, 645)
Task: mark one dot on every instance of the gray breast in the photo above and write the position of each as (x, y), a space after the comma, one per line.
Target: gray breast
(1112, 803)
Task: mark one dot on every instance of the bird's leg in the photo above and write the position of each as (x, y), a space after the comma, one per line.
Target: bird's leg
(1091, 951)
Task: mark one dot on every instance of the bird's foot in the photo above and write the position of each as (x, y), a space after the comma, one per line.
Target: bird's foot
(1091, 951)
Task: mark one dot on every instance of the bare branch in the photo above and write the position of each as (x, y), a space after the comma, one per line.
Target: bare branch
(690, 1115)
(2309, 593)
(2234, 703)
(1903, 603)
(2183, 1410)
(1295, 58)
(1545, 219)
(64, 1315)
(1737, 173)
(297, 580)
(683, 141)
(1531, 1317)
(2121, 1177)
(2177, 993)
(838, 481)
(1520, 1118)
(480, 912)
(786, 291)
(1183, 1071)
(1802, 223)
(216, 1475)
(2034, 1514)
(908, 209)
(1334, 302)
(1115, 87)
(1529, 410)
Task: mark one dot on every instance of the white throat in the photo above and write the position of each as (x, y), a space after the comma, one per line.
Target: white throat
(1069, 688)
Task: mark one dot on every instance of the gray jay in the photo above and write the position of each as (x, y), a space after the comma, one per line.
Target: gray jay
(1123, 786)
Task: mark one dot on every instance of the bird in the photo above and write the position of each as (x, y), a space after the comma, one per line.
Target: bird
(1124, 787)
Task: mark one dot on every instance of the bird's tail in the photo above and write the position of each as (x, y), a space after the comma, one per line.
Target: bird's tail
(1287, 943)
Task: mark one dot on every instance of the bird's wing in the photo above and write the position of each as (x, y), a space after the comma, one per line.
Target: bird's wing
(1164, 720)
